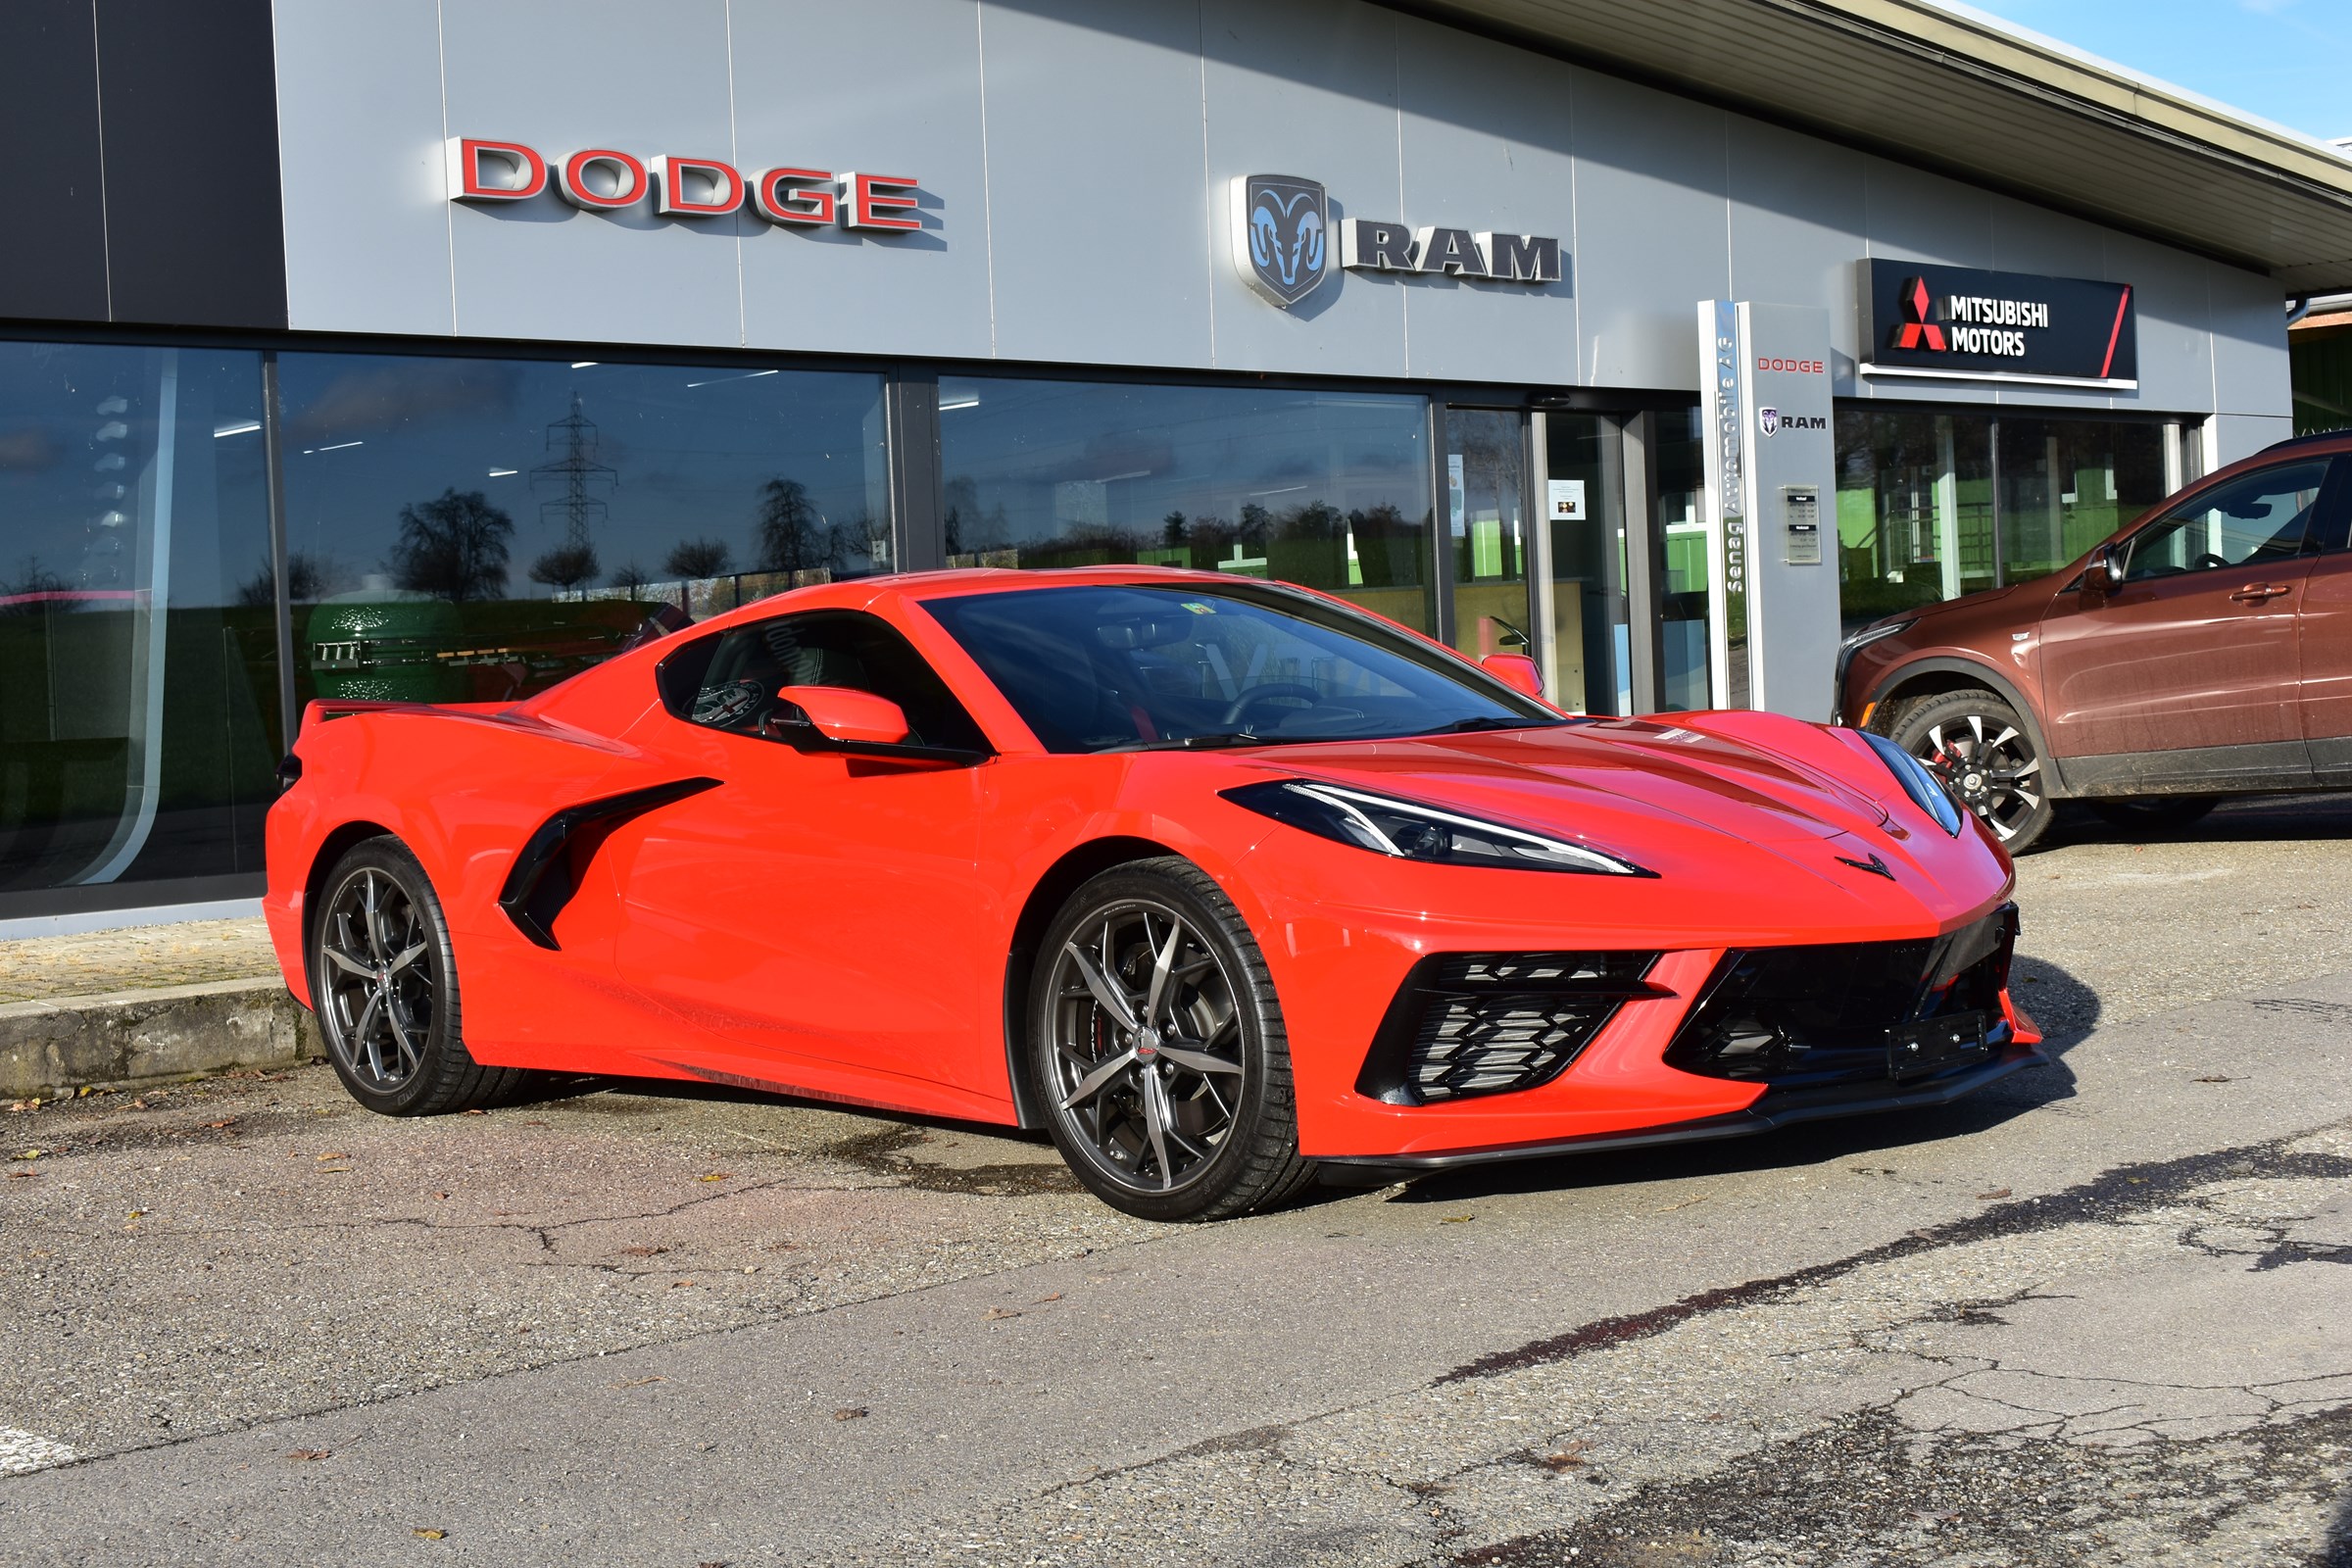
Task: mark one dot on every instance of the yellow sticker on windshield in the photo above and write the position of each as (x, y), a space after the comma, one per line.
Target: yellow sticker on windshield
(1200, 608)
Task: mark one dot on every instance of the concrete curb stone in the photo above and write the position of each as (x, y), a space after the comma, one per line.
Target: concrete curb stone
(52, 1048)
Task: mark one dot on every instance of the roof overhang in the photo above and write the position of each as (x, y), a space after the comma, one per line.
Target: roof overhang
(1951, 89)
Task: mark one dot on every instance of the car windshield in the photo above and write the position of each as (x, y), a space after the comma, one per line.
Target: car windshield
(1128, 667)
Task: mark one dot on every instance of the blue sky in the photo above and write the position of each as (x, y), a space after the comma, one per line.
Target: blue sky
(2285, 60)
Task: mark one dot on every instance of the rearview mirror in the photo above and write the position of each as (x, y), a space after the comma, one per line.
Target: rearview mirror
(2105, 570)
(1515, 671)
(845, 717)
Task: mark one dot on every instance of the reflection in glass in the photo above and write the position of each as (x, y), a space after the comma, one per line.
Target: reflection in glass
(1584, 509)
(2261, 517)
(1486, 478)
(1327, 489)
(1683, 674)
(138, 671)
(2066, 484)
(1914, 509)
(478, 529)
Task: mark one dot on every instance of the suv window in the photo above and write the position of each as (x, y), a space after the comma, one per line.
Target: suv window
(729, 680)
(2260, 518)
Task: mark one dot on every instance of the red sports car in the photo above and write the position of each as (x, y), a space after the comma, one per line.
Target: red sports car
(1218, 880)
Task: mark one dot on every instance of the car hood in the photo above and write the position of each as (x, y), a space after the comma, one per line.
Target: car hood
(1633, 775)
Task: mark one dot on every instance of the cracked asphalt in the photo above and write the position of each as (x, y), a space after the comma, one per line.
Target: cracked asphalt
(2100, 1314)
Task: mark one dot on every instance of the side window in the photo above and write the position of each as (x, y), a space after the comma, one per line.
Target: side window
(2260, 518)
(729, 681)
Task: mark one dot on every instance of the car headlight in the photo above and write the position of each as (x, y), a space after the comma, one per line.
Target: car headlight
(1855, 644)
(1410, 832)
(1925, 789)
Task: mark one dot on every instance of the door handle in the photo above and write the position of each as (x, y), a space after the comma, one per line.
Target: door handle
(2258, 592)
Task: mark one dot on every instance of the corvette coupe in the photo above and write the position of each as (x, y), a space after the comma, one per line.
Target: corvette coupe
(1220, 882)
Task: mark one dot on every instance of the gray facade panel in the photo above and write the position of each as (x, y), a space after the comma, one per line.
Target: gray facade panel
(359, 102)
(1096, 194)
(883, 87)
(1074, 162)
(597, 77)
(1486, 143)
(1652, 231)
(1797, 204)
(1306, 89)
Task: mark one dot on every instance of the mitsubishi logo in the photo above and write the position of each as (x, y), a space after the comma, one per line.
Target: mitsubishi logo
(1917, 303)
(1874, 865)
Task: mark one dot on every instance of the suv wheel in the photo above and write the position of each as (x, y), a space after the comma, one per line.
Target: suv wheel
(1976, 742)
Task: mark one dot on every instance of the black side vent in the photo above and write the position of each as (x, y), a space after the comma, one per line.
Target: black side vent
(1816, 1016)
(1465, 1024)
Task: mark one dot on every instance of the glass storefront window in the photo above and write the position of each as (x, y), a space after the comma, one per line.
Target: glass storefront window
(1328, 489)
(1914, 509)
(1584, 509)
(138, 704)
(2066, 484)
(478, 529)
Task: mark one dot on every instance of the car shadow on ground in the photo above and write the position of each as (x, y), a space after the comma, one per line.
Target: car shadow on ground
(2242, 819)
(2065, 1007)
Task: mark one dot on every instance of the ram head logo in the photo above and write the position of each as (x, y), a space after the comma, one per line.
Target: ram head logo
(1281, 236)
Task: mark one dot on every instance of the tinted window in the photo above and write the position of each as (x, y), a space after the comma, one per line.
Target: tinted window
(1093, 670)
(2262, 517)
(729, 681)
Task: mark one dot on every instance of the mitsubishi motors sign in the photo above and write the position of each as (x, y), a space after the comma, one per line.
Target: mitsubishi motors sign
(608, 180)
(1959, 324)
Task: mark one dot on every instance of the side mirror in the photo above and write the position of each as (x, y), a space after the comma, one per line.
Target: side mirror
(2104, 573)
(1515, 671)
(844, 716)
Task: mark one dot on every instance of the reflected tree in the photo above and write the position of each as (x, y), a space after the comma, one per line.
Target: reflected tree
(305, 583)
(793, 536)
(453, 547)
(26, 593)
(628, 578)
(699, 558)
(566, 566)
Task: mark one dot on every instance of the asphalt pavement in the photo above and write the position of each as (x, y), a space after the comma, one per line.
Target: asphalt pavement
(2096, 1316)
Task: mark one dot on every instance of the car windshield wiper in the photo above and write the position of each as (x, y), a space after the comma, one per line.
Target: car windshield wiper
(1464, 726)
(1197, 742)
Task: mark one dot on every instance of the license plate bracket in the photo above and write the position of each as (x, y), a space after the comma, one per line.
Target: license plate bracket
(1914, 1050)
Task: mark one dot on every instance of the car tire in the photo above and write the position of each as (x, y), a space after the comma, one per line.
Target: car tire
(1157, 1049)
(2161, 813)
(1985, 756)
(384, 985)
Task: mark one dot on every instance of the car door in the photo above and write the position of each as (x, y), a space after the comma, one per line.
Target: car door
(2187, 671)
(2324, 636)
(818, 905)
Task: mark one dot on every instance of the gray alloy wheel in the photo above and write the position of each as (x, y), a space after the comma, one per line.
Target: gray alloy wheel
(1159, 1049)
(1976, 742)
(385, 985)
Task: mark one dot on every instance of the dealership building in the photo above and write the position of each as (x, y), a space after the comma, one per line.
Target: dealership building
(417, 348)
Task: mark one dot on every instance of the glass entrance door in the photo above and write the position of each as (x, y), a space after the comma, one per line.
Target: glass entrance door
(1588, 656)
(1486, 535)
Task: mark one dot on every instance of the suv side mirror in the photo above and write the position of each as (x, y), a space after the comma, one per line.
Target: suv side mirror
(2104, 571)
(1515, 671)
(842, 717)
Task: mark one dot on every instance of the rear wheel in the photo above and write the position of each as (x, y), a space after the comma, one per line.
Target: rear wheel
(2162, 813)
(1159, 1049)
(384, 984)
(1982, 749)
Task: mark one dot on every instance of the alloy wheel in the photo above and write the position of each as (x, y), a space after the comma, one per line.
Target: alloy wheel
(377, 979)
(1146, 1067)
(1989, 765)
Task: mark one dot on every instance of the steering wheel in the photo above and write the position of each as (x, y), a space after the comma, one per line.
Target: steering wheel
(1238, 708)
(2207, 562)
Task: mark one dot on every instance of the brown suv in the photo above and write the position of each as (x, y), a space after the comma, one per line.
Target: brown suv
(2204, 651)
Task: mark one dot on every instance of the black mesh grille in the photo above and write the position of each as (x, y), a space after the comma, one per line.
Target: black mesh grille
(1803, 1018)
(1489, 1024)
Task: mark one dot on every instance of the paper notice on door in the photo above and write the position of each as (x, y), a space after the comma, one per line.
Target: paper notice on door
(1567, 500)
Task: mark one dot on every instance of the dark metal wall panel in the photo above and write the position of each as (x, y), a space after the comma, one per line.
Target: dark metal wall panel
(53, 262)
(188, 110)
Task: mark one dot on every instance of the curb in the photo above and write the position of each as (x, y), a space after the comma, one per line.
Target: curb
(52, 1049)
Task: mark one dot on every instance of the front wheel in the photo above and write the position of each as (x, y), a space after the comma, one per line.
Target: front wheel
(1982, 749)
(1159, 1049)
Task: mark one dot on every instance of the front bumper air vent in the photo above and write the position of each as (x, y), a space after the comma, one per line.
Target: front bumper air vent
(1466, 1024)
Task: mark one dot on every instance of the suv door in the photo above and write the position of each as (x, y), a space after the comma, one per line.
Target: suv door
(2187, 671)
